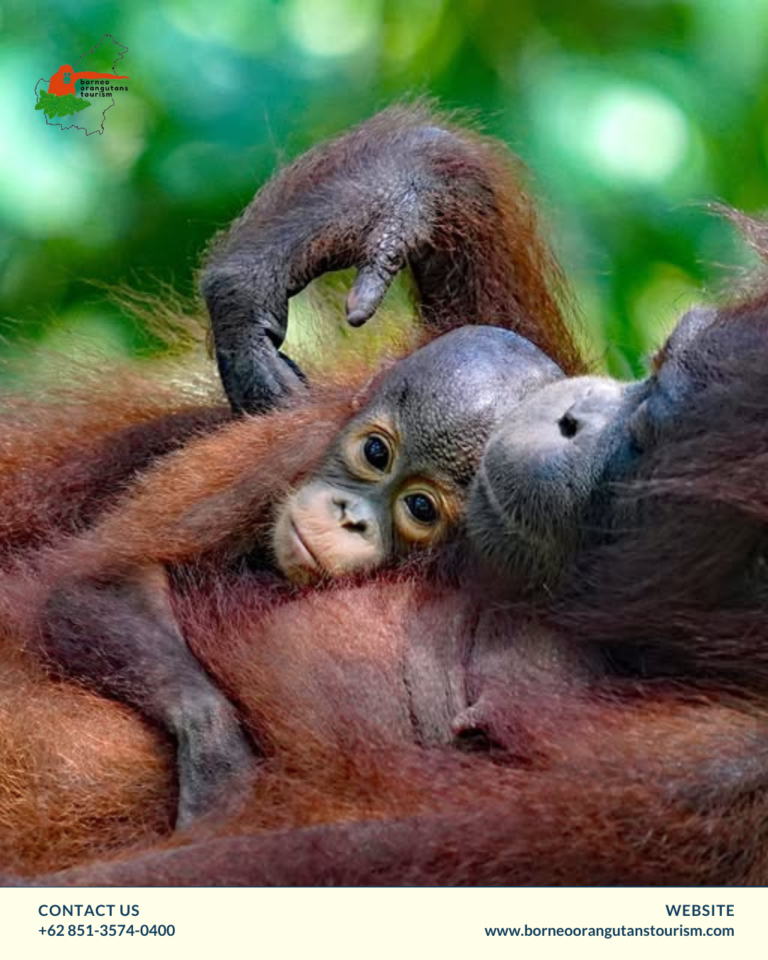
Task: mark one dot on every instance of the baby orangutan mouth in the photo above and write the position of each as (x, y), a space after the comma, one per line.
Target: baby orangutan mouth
(302, 555)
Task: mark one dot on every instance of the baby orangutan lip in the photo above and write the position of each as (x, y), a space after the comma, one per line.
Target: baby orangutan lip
(304, 556)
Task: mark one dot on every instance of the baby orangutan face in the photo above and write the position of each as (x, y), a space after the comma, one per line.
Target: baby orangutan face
(397, 477)
(368, 505)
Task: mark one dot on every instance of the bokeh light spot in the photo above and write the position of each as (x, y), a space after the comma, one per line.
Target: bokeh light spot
(334, 28)
(638, 134)
(245, 25)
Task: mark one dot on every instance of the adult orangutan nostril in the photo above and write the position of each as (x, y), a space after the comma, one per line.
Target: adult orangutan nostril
(569, 425)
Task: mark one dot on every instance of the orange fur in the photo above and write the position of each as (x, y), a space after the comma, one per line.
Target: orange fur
(352, 688)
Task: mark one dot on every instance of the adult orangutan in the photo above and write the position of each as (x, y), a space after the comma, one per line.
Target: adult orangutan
(581, 698)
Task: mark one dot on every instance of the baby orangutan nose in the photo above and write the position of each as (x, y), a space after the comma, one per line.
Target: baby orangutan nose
(353, 515)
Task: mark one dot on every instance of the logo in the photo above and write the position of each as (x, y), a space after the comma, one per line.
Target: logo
(63, 99)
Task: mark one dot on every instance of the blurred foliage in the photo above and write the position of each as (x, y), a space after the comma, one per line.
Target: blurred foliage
(632, 113)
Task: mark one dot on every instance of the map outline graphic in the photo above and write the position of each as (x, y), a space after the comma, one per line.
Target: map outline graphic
(99, 130)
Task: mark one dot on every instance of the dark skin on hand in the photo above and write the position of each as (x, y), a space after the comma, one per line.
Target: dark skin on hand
(428, 196)
(395, 479)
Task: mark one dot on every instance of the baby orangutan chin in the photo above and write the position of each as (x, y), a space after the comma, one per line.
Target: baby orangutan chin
(373, 477)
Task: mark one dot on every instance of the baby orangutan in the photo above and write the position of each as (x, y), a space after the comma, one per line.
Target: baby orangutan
(373, 476)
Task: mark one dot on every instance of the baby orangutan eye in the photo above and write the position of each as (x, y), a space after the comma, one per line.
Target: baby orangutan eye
(422, 508)
(376, 452)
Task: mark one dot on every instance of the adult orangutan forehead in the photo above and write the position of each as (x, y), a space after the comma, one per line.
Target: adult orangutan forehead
(445, 399)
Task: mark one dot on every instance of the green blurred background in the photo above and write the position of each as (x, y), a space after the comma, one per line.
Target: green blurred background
(631, 113)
